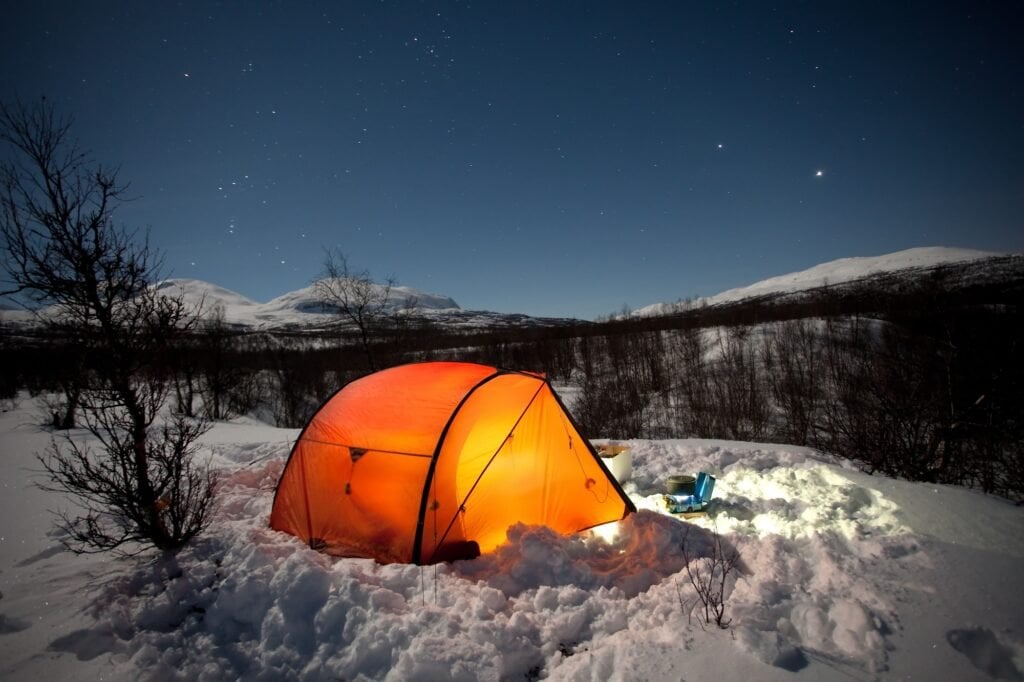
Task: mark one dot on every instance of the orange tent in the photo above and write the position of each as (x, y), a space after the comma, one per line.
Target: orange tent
(434, 461)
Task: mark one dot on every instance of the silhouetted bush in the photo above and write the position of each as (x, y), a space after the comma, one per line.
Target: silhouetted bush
(794, 370)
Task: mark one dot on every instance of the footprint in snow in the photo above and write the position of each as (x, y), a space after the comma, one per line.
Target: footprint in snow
(9, 625)
(983, 649)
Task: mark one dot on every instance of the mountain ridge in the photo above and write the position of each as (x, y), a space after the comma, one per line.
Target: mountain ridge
(301, 310)
(841, 271)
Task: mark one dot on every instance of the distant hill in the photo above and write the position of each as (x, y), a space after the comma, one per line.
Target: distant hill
(299, 308)
(302, 310)
(837, 274)
(966, 270)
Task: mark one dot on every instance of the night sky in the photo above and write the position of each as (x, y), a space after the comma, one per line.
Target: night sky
(552, 158)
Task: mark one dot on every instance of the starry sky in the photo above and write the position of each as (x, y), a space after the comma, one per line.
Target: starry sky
(550, 158)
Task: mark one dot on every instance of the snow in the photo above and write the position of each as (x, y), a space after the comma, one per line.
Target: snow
(843, 576)
(296, 308)
(302, 308)
(197, 293)
(834, 272)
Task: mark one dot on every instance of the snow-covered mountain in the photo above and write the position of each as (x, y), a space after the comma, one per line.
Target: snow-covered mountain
(306, 300)
(837, 272)
(300, 308)
(199, 293)
(303, 310)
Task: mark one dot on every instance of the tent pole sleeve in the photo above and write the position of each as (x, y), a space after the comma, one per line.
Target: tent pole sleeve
(417, 548)
(491, 460)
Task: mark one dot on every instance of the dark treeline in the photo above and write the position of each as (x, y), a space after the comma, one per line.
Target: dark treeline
(927, 395)
(926, 383)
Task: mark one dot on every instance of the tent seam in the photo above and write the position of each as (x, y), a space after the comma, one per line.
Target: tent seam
(630, 508)
(491, 460)
(366, 448)
(417, 548)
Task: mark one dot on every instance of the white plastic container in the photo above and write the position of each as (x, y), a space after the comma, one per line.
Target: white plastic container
(618, 460)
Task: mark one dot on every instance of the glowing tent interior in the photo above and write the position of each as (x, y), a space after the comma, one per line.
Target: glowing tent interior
(434, 461)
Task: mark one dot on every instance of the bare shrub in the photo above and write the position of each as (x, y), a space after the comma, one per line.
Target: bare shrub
(298, 385)
(793, 366)
(691, 384)
(95, 283)
(113, 495)
(616, 386)
(709, 575)
(737, 387)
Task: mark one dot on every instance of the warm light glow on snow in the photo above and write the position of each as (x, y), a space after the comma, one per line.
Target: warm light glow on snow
(609, 532)
(793, 502)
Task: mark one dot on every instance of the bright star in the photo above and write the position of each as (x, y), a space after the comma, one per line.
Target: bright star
(819, 173)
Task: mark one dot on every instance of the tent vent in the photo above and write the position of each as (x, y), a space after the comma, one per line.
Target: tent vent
(356, 453)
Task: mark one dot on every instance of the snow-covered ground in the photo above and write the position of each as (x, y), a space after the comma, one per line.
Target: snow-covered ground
(843, 576)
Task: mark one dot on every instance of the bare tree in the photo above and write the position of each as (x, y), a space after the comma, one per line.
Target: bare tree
(355, 298)
(63, 250)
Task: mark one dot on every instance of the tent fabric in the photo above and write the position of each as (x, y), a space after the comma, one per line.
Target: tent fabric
(417, 463)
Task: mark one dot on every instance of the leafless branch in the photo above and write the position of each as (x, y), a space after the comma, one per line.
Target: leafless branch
(62, 248)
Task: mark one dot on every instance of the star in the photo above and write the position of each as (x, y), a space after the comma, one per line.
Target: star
(819, 173)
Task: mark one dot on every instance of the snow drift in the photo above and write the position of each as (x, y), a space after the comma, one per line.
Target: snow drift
(843, 575)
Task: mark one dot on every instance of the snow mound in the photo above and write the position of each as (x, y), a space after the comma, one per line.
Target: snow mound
(250, 600)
